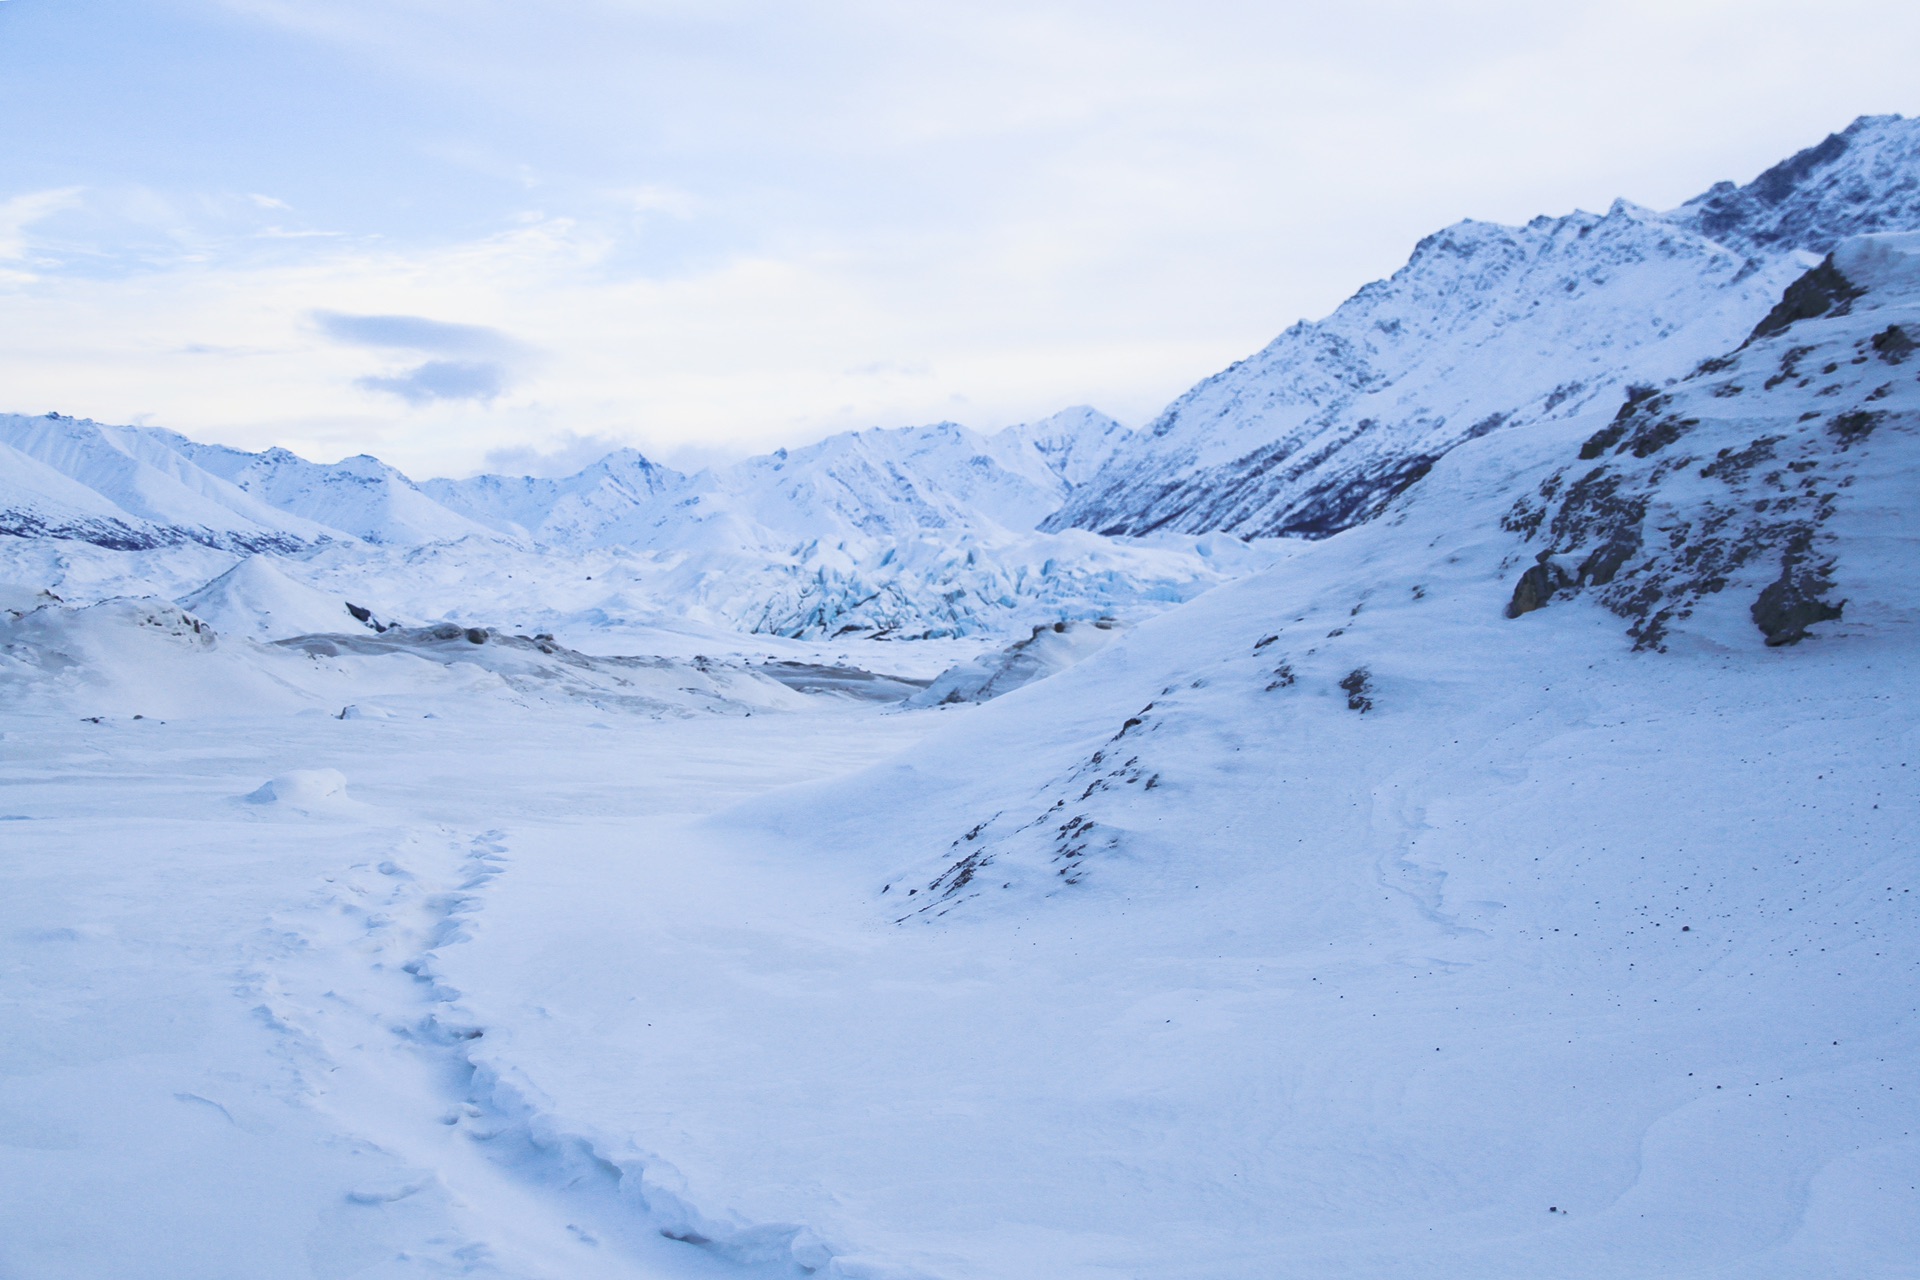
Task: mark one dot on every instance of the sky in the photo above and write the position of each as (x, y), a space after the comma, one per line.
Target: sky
(477, 235)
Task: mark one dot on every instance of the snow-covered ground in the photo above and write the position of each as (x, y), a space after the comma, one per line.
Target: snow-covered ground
(1519, 883)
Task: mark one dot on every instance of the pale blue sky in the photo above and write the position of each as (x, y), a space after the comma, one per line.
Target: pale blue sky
(436, 230)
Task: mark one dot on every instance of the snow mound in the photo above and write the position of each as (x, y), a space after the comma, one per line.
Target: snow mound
(1048, 651)
(256, 599)
(1886, 266)
(306, 790)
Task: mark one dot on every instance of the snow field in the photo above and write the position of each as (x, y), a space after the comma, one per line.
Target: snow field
(230, 1052)
(1556, 958)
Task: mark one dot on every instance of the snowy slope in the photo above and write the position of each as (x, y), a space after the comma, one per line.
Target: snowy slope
(573, 511)
(145, 494)
(256, 599)
(1345, 921)
(1489, 327)
(360, 496)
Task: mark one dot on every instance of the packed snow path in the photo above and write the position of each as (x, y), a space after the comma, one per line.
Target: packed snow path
(227, 1052)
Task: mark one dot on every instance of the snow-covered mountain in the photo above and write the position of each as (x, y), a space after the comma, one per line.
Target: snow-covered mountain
(129, 488)
(1515, 885)
(1489, 327)
(884, 481)
(1764, 499)
(904, 532)
(587, 508)
(359, 497)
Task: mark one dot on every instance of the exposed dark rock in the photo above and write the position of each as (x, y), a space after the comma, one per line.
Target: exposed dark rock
(1357, 684)
(1794, 601)
(1851, 428)
(1893, 344)
(1536, 587)
(1822, 291)
(1650, 438)
(1608, 436)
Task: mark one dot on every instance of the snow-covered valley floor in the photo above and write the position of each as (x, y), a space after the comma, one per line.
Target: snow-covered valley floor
(226, 1053)
(1563, 960)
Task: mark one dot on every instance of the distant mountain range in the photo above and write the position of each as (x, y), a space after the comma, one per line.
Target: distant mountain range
(939, 530)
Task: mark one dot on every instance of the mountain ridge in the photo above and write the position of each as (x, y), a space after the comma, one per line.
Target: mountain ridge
(1323, 426)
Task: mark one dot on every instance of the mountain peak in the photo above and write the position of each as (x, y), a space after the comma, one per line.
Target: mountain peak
(1863, 179)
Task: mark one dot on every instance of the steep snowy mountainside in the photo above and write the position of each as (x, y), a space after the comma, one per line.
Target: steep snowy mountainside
(1075, 442)
(1487, 327)
(145, 494)
(1465, 940)
(360, 496)
(1737, 478)
(1765, 500)
(1864, 179)
(36, 501)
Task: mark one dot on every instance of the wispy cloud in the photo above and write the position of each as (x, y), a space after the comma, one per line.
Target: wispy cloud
(22, 211)
(479, 367)
(415, 333)
(481, 380)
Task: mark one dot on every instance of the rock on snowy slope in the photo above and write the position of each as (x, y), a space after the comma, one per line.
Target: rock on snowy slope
(1334, 892)
(1736, 478)
(1489, 327)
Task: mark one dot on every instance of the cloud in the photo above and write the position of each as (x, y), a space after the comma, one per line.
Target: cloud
(480, 380)
(17, 214)
(415, 333)
(479, 363)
